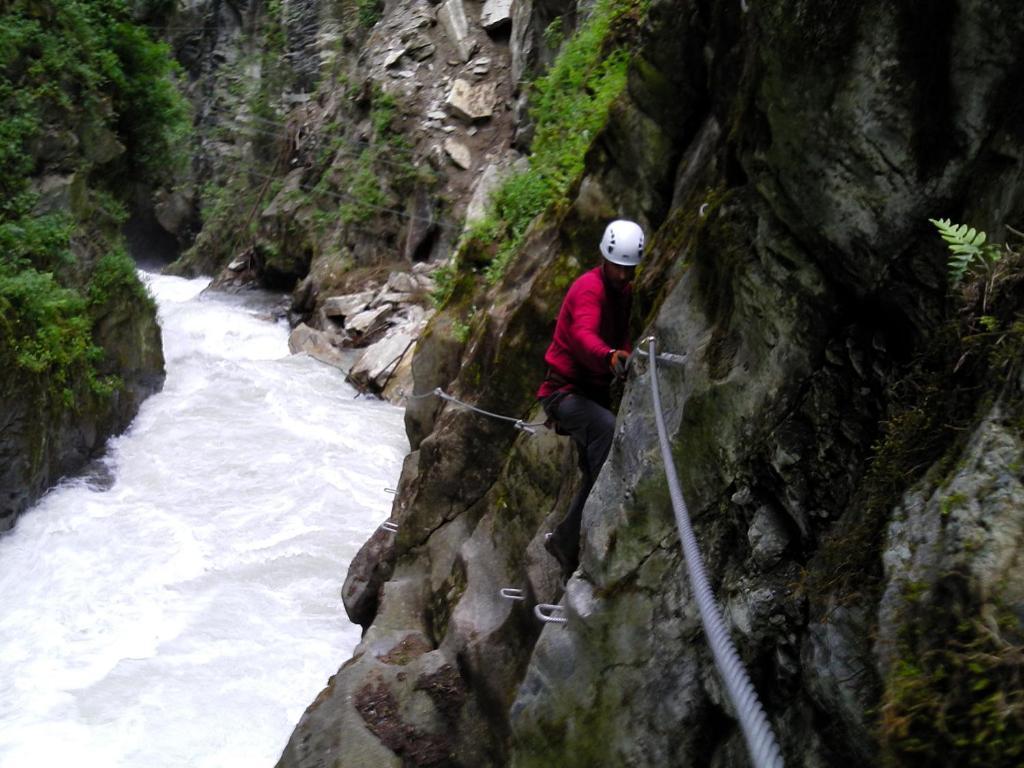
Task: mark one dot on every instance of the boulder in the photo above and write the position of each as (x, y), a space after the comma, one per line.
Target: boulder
(390, 298)
(349, 305)
(288, 200)
(452, 16)
(403, 282)
(480, 67)
(316, 344)
(60, 193)
(488, 181)
(370, 568)
(965, 532)
(375, 367)
(420, 48)
(173, 210)
(459, 153)
(496, 15)
(366, 323)
(414, 314)
(472, 102)
(522, 42)
(768, 536)
(304, 296)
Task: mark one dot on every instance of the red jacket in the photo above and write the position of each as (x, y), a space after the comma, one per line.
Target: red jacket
(593, 320)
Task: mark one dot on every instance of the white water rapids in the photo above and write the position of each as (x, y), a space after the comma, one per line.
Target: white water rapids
(185, 616)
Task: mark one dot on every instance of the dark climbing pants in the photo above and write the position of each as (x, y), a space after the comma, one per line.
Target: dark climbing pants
(592, 427)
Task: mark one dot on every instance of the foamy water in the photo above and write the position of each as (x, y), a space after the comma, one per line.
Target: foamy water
(189, 613)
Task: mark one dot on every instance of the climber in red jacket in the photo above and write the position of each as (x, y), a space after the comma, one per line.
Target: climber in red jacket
(591, 345)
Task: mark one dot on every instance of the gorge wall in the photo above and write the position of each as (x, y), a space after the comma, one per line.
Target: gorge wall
(850, 449)
(88, 115)
(847, 426)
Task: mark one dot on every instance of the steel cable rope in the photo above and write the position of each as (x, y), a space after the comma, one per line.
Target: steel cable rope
(757, 731)
(156, 28)
(241, 124)
(525, 426)
(443, 223)
(286, 123)
(249, 132)
(519, 423)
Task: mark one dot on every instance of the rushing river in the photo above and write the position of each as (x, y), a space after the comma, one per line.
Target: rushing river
(184, 613)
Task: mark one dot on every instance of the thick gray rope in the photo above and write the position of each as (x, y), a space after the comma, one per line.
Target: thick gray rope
(525, 426)
(757, 731)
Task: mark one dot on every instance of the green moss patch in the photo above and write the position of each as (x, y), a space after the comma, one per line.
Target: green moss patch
(955, 697)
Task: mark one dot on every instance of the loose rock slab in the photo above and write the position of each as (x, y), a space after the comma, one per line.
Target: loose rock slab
(348, 305)
(496, 14)
(472, 102)
(459, 153)
(452, 16)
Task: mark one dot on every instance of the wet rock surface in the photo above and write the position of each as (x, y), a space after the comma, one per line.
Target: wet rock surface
(784, 158)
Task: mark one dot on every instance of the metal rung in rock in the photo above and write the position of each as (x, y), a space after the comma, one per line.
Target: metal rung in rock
(545, 612)
(510, 593)
(389, 526)
(390, 490)
(666, 357)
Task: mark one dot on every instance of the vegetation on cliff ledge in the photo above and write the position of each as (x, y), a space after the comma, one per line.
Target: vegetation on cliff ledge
(87, 101)
(569, 106)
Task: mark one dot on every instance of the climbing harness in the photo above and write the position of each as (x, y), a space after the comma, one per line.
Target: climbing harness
(757, 731)
(525, 426)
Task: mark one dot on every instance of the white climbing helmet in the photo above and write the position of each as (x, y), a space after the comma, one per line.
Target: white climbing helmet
(623, 243)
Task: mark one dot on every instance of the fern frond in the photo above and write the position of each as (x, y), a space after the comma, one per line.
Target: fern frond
(958, 265)
(966, 244)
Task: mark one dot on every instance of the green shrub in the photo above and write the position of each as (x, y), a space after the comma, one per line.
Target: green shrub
(569, 107)
(460, 330)
(444, 284)
(114, 276)
(363, 190)
(374, 181)
(46, 330)
(39, 241)
(368, 12)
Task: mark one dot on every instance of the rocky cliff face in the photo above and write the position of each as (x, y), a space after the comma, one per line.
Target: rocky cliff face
(847, 431)
(341, 143)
